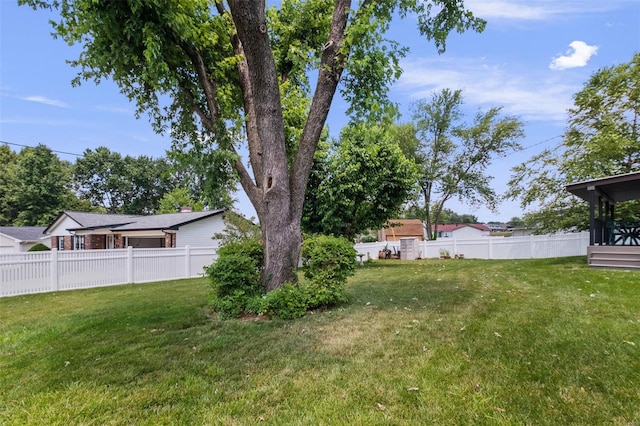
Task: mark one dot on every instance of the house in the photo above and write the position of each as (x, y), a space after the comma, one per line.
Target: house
(15, 239)
(462, 230)
(89, 231)
(402, 228)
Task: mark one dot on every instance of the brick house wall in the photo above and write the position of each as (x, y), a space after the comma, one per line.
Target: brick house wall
(95, 242)
(169, 240)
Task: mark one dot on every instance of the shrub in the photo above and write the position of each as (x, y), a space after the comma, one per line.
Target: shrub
(287, 302)
(327, 263)
(39, 247)
(368, 239)
(235, 277)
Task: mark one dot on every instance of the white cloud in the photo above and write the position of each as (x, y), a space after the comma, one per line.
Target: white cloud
(577, 56)
(527, 95)
(114, 109)
(46, 101)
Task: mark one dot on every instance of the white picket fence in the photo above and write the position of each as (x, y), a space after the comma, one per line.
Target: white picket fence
(39, 272)
(530, 247)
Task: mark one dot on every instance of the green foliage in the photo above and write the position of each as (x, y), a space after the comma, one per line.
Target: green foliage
(287, 302)
(235, 277)
(177, 198)
(130, 185)
(454, 156)
(359, 185)
(327, 263)
(601, 140)
(8, 184)
(42, 187)
(238, 229)
(218, 74)
(368, 239)
(39, 247)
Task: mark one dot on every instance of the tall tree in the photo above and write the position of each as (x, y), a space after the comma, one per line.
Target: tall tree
(434, 123)
(43, 187)
(228, 68)
(454, 156)
(100, 176)
(359, 185)
(602, 139)
(8, 185)
(130, 185)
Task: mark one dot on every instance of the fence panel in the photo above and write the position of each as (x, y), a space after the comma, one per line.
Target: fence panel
(91, 268)
(25, 273)
(539, 246)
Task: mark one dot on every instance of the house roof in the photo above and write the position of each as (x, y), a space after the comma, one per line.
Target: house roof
(23, 233)
(119, 222)
(615, 188)
(166, 221)
(455, 227)
(404, 227)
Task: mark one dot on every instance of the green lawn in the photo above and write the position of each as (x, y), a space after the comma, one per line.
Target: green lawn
(426, 342)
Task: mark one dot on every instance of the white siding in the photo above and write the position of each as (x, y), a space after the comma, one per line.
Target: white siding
(8, 245)
(198, 234)
(468, 232)
(61, 228)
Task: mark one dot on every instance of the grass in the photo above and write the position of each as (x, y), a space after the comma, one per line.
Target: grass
(425, 342)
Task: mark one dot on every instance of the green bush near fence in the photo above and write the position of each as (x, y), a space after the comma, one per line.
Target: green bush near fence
(235, 279)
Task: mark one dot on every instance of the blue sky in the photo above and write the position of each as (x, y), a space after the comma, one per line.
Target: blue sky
(532, 57)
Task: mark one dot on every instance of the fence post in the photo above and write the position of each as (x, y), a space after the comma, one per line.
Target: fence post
(54, 269)
(531, 246)
(187, 261)
(130, 264)
(490, 248)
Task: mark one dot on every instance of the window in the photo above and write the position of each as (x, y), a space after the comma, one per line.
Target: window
(78, 242)
(60, 241)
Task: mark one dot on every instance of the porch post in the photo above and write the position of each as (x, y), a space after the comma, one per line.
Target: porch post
(592, 215)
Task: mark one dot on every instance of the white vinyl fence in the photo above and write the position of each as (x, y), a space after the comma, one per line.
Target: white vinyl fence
(534, 246)
(39, 272)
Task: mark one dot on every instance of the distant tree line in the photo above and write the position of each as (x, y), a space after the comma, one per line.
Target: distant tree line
(36, 185)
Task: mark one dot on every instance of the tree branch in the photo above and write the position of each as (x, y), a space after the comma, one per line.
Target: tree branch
(331, 68)
(255, 145)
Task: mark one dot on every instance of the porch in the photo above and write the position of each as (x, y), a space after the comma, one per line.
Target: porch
(612, 243)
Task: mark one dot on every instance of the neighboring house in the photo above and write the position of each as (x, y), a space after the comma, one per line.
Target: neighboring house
(402, 228)
(463, 230)
(88, 231)
(498, 227)
(15, 239)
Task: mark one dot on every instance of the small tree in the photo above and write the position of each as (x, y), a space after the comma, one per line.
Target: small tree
(454, 156)
(359, 185)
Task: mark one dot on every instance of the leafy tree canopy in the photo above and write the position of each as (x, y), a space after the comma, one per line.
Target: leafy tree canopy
(359, 185)
(602, 139)
(453, 155)
(231, 69)
(131, 185)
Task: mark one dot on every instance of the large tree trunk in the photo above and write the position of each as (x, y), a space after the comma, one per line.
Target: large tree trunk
(277, 193)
